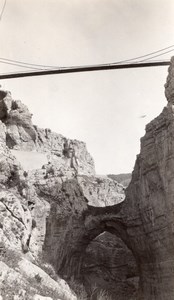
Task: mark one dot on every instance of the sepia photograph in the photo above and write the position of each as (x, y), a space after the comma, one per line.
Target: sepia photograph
(87, 150)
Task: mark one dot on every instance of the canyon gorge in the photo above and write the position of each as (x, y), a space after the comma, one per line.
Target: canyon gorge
(61, 224)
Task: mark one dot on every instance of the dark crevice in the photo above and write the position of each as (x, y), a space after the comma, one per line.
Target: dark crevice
(19, 219)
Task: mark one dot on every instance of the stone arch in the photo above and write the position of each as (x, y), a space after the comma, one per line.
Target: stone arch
(82, 230)
(72, 224)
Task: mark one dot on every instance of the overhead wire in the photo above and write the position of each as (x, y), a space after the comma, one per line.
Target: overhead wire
(40, 66)
(25, 63)
(142, 56)
(18, 65)
(157, 55)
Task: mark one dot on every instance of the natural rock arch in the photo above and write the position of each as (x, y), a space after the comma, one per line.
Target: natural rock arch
(142, 229)
(92, 222)
(144, 220)
(72, 252)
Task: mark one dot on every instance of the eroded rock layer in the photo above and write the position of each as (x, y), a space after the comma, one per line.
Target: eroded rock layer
(150, 208)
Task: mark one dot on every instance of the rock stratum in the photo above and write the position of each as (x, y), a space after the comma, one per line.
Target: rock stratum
(58, 213)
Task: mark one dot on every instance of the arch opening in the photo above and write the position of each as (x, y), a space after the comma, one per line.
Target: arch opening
(99, 258)
(110, 266)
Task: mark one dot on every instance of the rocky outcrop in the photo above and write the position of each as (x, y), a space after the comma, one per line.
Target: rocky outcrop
(15, 222)
(101, 190)
(21, 134)
(23, 280)
(17, 118)
(63, 153)
(9, 166)
(22, 233)
(22, 213)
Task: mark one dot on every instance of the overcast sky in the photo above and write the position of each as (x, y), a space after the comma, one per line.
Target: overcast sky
(103, 109)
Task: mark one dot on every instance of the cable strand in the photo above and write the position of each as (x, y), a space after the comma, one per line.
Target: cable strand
(25, 64)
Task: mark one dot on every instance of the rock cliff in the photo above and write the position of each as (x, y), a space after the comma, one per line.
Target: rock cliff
(21, 134)
(149, 204)
(22, 219)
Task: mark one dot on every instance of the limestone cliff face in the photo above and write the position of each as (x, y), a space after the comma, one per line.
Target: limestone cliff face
(8, 164)
(169, 86)
(149, 208)
(67, 153)
(17, 118)
(21, 134)
(150, 203)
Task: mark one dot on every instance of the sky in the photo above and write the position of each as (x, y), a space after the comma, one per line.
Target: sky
(104, 108)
